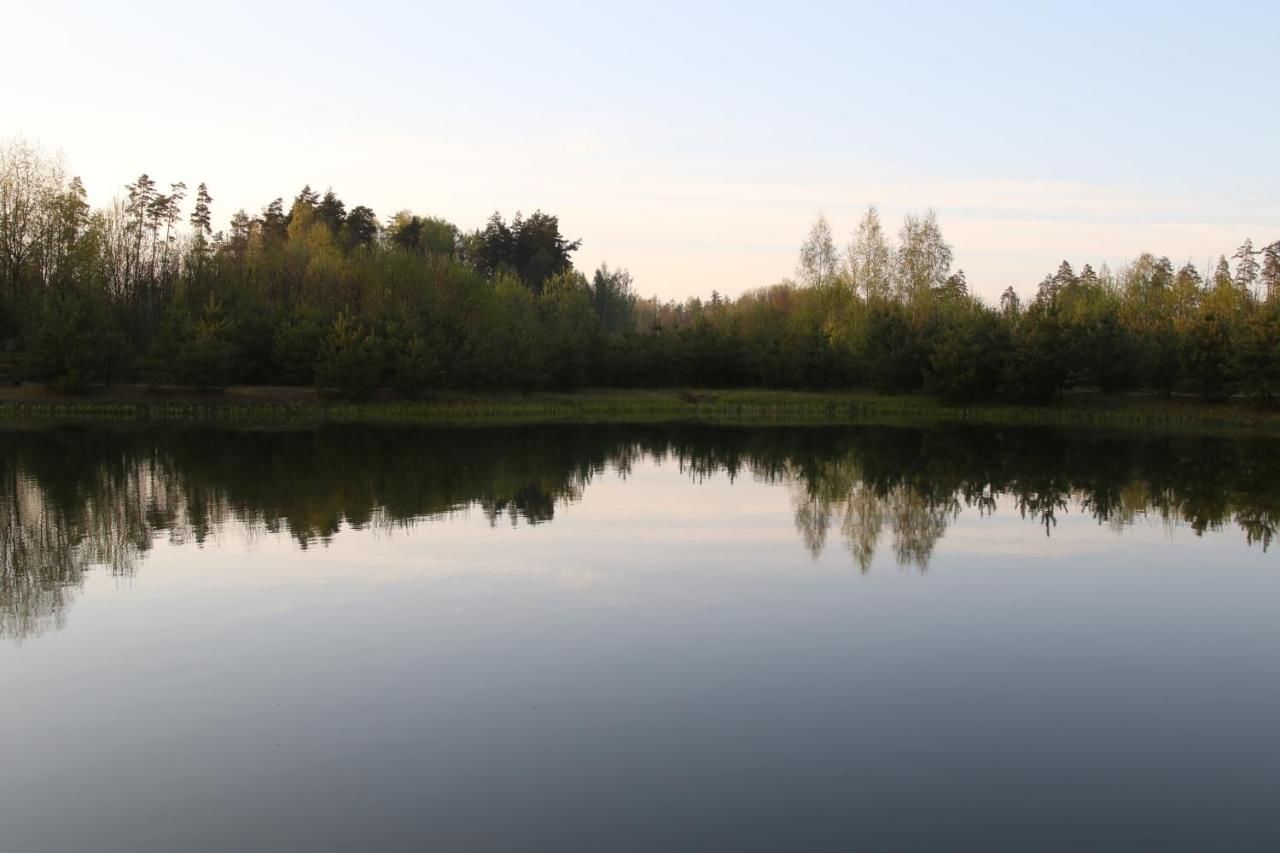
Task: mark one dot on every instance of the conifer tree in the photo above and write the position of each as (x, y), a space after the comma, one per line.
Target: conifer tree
(1270, 275)
(201, 216)
(1246, 267)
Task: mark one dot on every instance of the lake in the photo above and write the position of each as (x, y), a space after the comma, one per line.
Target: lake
(673, 637)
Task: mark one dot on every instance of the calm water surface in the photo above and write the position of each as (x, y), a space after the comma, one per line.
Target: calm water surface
(662, 638)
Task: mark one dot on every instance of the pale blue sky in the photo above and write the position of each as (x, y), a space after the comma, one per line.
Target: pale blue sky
(692, 143)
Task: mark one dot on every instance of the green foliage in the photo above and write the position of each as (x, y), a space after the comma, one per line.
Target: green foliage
(1207, 355)
(73, 342)
(350, 360)
(1104, 352)
(532, 249)
(514, 347)
(613, 300)
(893, 353)
(570, 330)
(296, 347)
(423, 235)
(1035, 370)
(316, 293)
(1257, 353)
(1159, 346)
(966, 362)
(204, 356)
(416, 363)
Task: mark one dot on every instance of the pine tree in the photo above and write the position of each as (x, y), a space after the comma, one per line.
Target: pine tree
(1270, 276)
(1246, 267)
(275, 222)
(1010, 304)
(955, 286)
(1222, 273)
(201, 224)
(496, 245)
(1065, 277)
(307, 196)
(241, 225)
(1088, 278)
(1162, 273)
(171, 213)
(142, 194)
(332, 212)
(360, 227)
(1187, 288)
(1046, 291)
(201, 218)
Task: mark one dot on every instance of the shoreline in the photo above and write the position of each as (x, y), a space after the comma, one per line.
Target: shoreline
(248, 405)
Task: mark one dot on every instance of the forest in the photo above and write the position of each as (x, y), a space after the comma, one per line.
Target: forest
(311, 292)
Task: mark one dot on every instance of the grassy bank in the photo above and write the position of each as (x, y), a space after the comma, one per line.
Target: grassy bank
(248, 405)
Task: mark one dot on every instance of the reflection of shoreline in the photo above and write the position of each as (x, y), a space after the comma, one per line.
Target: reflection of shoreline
(75, 498)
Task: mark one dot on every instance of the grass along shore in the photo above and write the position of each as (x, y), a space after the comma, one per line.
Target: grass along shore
(267, 405)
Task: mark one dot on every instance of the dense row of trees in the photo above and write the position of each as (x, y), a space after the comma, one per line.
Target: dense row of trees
(67, 504)
(311, 292)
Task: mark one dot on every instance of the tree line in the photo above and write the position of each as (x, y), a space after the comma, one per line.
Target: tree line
(313, 292)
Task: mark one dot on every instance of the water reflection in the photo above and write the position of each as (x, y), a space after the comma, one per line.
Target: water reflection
(72, 498)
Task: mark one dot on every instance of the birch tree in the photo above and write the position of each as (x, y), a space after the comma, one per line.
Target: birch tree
(923, 257)
(870, 258)
(818, 259)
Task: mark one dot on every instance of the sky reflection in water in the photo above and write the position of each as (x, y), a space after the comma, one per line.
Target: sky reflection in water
(638, 638)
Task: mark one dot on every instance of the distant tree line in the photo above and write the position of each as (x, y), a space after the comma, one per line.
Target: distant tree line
(311, 292)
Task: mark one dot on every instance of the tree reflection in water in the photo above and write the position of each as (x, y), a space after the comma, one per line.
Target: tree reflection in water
(72, 498)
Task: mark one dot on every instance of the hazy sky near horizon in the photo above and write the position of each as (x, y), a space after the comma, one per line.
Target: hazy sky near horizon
(692, 143)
